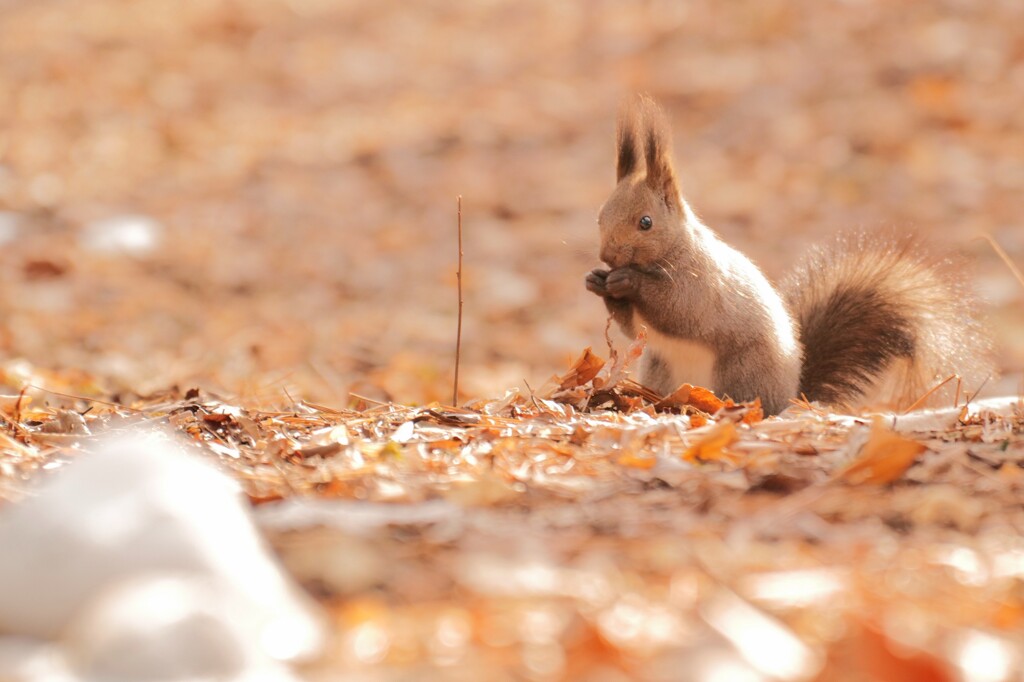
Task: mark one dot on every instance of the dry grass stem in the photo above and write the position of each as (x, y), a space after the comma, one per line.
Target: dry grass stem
(924, 398)
(458, 333)
(1005, 258)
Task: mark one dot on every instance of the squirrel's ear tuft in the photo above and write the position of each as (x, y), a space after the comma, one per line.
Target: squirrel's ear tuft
(661, 177)
(627, 154)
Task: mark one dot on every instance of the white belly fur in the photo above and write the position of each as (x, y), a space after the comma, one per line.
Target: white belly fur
(689, 361)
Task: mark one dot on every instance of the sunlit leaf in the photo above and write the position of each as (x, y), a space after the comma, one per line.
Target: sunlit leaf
(883, 459)
(711, 445)
(583, 370)
(637, 460)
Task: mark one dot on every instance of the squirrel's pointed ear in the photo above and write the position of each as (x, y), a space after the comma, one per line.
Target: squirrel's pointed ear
(661, 176)
(627, 153)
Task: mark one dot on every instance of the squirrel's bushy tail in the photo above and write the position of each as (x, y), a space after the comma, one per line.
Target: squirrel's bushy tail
(881, 321)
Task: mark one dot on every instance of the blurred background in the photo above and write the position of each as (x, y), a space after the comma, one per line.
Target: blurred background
(259, 196)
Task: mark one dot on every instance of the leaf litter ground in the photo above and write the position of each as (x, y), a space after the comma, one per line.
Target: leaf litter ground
(277, 171)
(594, 530)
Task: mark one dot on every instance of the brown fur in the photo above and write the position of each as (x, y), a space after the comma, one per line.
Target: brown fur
(627, 157)
(701, 300)
(866, 307)
(868, 304)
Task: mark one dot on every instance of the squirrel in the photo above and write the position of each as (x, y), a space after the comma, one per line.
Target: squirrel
(870, 317)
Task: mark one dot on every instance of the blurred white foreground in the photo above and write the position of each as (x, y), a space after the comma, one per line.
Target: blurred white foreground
(141, 562)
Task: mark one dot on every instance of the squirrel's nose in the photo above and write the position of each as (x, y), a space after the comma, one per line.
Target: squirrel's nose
(616, 256)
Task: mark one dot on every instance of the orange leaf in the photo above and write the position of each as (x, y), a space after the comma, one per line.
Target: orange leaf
(637, 461)
(616, 370)
(868, 650)
(750, 413)
(628, 404)
(582, 371)
(694, 396)
(883, 459)
(933, 93)
(256, 500)
(755, 413)
(636, 348)
(705, 400)
(1007, 616)
(676, 399)
(712, 445)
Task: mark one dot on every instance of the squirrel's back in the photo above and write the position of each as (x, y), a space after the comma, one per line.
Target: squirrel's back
(882, 321)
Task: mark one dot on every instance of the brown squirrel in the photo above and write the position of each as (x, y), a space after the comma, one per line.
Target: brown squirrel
(868, 318)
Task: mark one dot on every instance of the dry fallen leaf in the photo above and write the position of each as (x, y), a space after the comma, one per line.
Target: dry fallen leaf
(487, 489)
(753, 412)
(869, 649)
(677, 399)
(711, 446)
(698, 420)
(637, 461)
(583, 370)
(619, 367)
(703, 399)
(883, 459)
(694, 396)
(292, 265)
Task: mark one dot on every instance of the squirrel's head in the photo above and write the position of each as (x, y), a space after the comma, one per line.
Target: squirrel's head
(644, 219)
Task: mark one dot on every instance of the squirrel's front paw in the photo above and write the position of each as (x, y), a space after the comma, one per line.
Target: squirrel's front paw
(621, 283)
(595, 281)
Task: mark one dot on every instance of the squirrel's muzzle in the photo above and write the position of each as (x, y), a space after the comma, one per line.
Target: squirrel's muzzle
(616, 256)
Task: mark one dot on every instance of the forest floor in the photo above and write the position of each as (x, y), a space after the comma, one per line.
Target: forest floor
(590, 532)
(237, 220)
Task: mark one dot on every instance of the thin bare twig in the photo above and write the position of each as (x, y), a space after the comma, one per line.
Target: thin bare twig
(974, 395)
(368, 400)
(803, 403)
(16, 428)
(458, 334)
(17, 405)
(1006, 258)
(84, 398)
(923, 399)
(290, 399)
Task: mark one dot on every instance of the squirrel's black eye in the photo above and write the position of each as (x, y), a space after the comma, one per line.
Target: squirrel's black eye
(646, 223)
